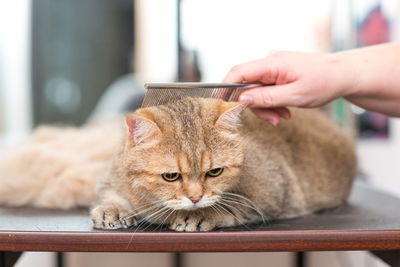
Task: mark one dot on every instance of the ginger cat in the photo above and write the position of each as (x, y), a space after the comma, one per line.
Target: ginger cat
(194, 165)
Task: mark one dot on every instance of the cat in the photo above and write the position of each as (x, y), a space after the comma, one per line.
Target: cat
(194, 165)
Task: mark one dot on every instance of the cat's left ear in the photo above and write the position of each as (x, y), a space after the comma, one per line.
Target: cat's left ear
(142, 128)
(230, 114)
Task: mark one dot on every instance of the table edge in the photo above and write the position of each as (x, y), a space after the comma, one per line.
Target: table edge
(246, 241)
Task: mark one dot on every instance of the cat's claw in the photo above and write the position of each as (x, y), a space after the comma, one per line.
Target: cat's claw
(191, 224)
(111, 217)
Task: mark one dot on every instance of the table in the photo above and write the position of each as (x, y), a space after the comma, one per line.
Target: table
(370, 221)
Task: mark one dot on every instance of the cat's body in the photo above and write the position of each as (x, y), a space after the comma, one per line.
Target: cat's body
(221, 173)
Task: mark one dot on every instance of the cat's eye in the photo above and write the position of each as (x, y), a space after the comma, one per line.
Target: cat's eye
(170, 177)
(215, 172)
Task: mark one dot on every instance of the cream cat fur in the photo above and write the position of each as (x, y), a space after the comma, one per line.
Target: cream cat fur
(301, 166)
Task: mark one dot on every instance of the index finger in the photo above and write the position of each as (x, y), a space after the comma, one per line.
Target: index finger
(255, 71)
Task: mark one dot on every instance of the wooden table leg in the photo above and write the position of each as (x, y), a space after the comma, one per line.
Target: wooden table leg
(391, 257)
(9, 258)
(300, 259)
(60, 259)
(178, 259)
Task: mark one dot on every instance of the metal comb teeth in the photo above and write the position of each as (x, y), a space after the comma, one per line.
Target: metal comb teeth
(162, 93)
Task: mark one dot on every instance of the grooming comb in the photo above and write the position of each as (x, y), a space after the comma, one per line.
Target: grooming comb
(162, 93)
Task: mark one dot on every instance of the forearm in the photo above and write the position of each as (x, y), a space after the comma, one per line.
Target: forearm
(368, 77)
(374, 78)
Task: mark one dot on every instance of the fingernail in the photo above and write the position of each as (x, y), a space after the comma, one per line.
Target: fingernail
(273, 122)
(286, 116)
(246, 98)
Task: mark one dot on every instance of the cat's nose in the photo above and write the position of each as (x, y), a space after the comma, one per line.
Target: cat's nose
(195, 199)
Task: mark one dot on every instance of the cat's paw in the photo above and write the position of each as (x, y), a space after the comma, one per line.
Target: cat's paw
(192, 223)
(111, 217)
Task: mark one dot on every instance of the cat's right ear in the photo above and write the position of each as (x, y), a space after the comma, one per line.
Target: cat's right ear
(230, 114)
(142, 129)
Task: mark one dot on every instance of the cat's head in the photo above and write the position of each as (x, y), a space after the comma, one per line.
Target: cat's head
(184, 154)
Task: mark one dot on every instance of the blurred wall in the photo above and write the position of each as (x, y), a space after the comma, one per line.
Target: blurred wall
(155, 35)
(15, 69)
(229, 32)
(78, 49)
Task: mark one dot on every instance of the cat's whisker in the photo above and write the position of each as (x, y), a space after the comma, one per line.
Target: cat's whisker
(227, 207)
(230, 195)
(140, 225)
(160, 217)
(222, 192)
(239, 203)
(238, 195)
(216, 210)
(142, 196)
(146, 219)
(256, 208)
(156, 218)
(165, 219)
(147, 204)
(137, 212)
(143, 221)
(146, 207)
(236, 201)
(220, 210)
(230, 213)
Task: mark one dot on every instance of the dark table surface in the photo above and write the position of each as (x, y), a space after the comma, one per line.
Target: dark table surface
(370, 221)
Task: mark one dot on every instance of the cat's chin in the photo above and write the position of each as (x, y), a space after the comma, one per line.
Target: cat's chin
(191, 208)
(186, 204)
(194, 207)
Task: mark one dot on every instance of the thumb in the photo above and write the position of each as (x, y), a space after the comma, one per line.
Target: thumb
(270, 96)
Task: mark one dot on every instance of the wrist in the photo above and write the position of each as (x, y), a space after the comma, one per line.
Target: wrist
(344, 72)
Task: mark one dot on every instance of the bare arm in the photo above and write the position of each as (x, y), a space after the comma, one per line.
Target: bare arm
(377, 78)
(368, 77)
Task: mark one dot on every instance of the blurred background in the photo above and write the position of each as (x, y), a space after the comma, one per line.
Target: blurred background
(70, 61)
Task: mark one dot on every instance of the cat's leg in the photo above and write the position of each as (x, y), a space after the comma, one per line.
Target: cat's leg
(191, 222)
(211, 218)
(113, 212)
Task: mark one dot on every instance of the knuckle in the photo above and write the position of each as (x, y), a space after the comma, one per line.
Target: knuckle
(267, 98)
(299, 101)
(236, 74)
(235, 68)
(96, 213)
(277, 53)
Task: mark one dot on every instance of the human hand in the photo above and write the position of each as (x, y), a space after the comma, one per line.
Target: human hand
(291, 79)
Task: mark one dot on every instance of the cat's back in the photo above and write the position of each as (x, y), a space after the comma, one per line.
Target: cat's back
(309, 132)
(317, 155)
(57, 164)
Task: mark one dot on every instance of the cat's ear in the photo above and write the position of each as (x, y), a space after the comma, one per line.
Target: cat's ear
(142, 128)
(230, 114)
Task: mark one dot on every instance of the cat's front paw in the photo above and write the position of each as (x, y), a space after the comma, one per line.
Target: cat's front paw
(192, 223)
(111, 216)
